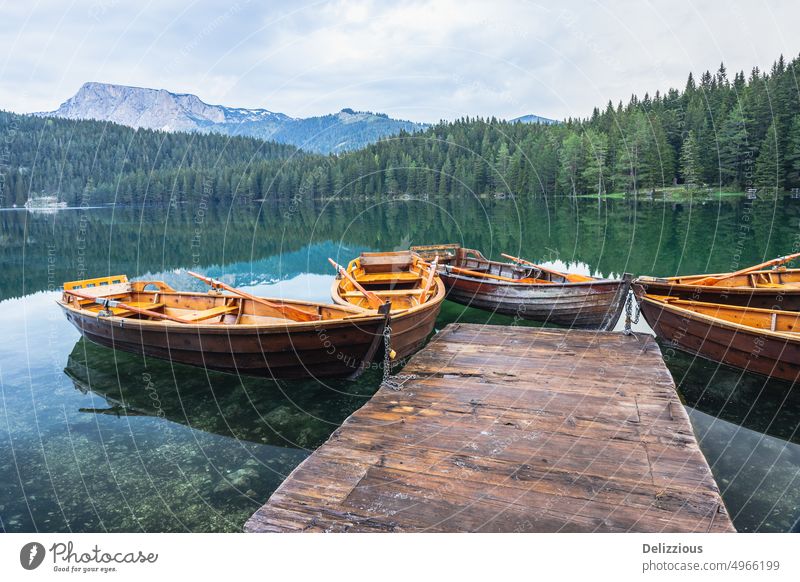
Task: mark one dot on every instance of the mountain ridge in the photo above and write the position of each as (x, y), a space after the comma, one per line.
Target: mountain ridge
(160, 109)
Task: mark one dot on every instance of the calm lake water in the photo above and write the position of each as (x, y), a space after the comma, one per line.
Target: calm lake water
(97, 440)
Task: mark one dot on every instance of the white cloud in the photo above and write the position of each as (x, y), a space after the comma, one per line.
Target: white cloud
(422, 60)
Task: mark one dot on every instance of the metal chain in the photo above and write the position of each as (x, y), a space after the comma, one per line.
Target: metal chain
(396, 382)
(629, 319)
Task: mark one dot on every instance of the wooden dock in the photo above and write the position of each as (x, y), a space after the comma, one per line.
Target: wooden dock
(511, 429)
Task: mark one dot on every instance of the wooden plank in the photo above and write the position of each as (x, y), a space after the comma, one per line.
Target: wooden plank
(405, 277)
(209, 313)
(387, 293)
(509, 429)
(115, 281)
(121, 312)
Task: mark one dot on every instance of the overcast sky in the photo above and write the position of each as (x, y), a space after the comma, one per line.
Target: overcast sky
(424, 60)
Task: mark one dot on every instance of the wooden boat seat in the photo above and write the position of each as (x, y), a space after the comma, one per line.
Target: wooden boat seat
(382, 262)
(384, 277)
(113, 297)
(391, 293)
(209, 313)
(122, 312)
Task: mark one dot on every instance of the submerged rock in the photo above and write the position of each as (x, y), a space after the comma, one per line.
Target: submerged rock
(240, 479)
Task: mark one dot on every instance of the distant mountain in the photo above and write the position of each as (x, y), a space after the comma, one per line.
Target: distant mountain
(533, 119)
(160, 109)
(346, 130)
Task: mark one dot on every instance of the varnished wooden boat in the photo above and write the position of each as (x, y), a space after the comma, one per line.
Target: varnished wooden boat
(763, 341)
(764, 289)
(223, 331)
(777, 288)
(413, 288)
(528, 291)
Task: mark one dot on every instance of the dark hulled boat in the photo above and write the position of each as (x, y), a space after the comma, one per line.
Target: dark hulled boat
(529, 291)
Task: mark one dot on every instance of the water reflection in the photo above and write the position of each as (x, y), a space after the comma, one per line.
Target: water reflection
(96, 440)
(748, 428)
(767, 406)
(298, 415)
(264, 244)
(757, 474)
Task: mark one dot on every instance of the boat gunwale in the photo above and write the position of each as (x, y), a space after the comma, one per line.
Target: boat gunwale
(479, 256)
(724, 323)
(672, 283)
(524, 285)
(357, 315)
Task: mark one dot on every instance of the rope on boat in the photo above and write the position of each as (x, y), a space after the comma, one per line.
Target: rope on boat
(394, 383)
(629, 308)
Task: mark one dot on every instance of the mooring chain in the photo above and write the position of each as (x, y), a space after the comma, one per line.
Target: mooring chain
(396, 382)
(629, 318)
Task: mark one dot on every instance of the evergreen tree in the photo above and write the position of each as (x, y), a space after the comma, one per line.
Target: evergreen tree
(735, 155)
(570, 162)
(793, 154)
(657, 168)
(715, 131)
(631, 158)
(690, 161)
(596, 169)
(768, 173)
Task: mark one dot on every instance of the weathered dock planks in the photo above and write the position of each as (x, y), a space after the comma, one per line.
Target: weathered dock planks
(509, 429)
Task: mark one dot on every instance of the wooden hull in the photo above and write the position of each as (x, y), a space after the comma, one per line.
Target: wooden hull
(410, 332)
(410, 328)
(592, 305)
(751, 349)
(333, 348)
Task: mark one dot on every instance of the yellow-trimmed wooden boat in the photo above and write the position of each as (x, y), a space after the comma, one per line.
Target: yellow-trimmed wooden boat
(763, 341)
(403, 279)
(756, 286)
(225, 329)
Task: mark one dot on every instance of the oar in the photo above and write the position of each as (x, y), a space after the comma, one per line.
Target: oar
(113, 303)
(571, 277)
(429, 280)
(470, 273)
(710, 281)
(287, 310)
(373, 300)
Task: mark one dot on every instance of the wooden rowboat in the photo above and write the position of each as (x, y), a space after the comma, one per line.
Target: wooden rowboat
(229, 332)
(766, 289)
(777, 288)
(763, 341)
(528, 291)
(413, 288)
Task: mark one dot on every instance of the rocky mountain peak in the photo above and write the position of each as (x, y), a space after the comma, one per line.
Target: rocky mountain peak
(160, 109)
